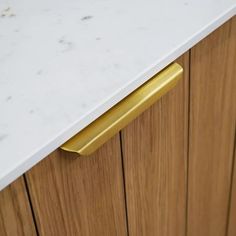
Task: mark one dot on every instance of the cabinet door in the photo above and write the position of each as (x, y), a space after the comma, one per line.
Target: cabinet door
(212, 122)
(74, 195)
(155, 159)
(232, 212)
(15, 213)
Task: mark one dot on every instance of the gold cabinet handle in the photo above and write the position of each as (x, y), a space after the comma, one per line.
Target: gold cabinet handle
(111, 122)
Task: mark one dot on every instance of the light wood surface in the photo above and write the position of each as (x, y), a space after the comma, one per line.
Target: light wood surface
(232, 212)
(15, 213)
(74, 195)
(155, 159)
(212, 120)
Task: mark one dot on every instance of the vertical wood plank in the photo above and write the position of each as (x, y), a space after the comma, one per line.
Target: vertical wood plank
(74, 195)
(212, 120)
(232, 213)
(15, 212)
(155, 159)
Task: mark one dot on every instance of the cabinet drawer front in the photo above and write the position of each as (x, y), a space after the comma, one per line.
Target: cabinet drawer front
(155, 159)
(212, 122)
(73, 195)
(232, 213)
(15, 212)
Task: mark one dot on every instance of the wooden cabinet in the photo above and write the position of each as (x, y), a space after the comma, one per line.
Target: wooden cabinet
(15, 212)
(168, 173)
(155, 164)
(232, 212)
(80, 196)
(211, 137)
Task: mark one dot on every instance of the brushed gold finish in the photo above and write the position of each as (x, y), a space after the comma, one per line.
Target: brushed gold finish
(111, 122)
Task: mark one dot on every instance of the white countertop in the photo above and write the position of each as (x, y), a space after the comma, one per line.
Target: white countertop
(65, 62)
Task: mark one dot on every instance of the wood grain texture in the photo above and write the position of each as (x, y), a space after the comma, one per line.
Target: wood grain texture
(232, 212)
(74, 195)
(212, 120)
(155, 159)
(15, 213)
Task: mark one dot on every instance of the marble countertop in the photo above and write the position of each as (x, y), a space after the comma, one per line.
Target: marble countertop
(64, 63)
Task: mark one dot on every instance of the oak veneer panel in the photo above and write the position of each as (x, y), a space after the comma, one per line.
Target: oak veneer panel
(15, 213)
(232, 213)
(74, 195)
(155, 159)
(212, 120)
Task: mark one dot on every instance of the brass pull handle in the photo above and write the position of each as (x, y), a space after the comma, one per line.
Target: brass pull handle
(111, 122)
